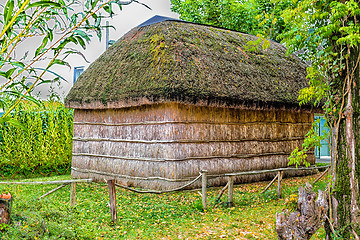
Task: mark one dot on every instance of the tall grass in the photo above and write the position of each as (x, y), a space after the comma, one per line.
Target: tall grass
(43, 144)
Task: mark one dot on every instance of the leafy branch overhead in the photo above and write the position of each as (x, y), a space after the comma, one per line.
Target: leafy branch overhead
(53, 29)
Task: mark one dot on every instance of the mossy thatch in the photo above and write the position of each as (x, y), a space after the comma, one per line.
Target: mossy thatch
(188, 63)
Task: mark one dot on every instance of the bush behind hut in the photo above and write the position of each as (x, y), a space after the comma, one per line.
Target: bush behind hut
(43, 145)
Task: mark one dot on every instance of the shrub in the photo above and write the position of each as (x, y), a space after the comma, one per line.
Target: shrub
(42, 145)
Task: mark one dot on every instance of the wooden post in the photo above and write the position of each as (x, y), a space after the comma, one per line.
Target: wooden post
(73, 194)
(203, 188)
(231, 191)
(280, 175)
(112, 196)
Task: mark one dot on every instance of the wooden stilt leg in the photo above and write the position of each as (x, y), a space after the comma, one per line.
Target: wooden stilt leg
(279, 183)
(73, 194)
(231, 191)
(203, 188)
(112, 196)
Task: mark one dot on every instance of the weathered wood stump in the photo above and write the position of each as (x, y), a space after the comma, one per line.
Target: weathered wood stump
(309, 217)
(5, 208)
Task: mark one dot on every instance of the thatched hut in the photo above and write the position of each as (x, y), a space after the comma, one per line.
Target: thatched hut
(172, 98)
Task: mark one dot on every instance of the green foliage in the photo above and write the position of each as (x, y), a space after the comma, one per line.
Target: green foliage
(316, 27)
(312, 140)
(253, 17)
(4, 227)
(43, 143)
(298, 157)
(254, 46)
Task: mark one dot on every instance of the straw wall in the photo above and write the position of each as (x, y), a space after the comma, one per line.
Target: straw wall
(163, 146)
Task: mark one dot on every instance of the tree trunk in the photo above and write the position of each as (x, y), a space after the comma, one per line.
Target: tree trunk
(344, 205)
(309, 217)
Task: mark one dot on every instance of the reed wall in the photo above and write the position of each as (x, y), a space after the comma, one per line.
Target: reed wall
(163, 146)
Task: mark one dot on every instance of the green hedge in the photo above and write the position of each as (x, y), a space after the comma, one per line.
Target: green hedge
(42, 146)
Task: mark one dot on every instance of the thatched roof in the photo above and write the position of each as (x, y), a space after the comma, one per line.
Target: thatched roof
(189, 63)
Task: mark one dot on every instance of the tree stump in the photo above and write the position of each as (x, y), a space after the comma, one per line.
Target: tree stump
(5, 208)
(309, 217)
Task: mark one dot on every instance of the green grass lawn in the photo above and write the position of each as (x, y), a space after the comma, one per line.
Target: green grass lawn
(144, 216)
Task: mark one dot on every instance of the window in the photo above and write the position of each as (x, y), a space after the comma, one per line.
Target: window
(324, 150)
(77, 72)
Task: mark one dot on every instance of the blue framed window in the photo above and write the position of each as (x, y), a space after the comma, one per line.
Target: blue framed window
(77, 72)
(324, 150)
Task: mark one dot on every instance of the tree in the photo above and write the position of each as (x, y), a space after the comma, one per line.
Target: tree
(36, 35)
(328, 33)
(253, 16)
